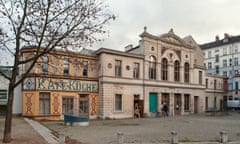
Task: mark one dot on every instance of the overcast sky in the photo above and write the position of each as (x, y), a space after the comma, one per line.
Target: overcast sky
(202, 19)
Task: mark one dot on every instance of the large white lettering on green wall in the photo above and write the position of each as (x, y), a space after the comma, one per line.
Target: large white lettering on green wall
(66, 85)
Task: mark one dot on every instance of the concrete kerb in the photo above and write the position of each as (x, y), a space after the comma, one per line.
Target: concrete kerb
(43, 131)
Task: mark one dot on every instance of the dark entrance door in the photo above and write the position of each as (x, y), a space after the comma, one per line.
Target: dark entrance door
(195, 104)
(177, 104)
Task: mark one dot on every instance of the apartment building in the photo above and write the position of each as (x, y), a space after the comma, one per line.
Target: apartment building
(4, 83)
(221, 57)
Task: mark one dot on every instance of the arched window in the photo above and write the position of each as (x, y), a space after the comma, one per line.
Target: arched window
(152, 67)
(177, 70)
(186, 72)
(164, 69)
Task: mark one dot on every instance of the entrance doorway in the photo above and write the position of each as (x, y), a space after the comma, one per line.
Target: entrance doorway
(195, 104)
(67, 105)
(153, 102)
(138, 104)
(177, 104)
(83, 105)
(165, 98)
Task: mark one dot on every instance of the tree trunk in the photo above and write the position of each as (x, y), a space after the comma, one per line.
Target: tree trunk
(8, 119)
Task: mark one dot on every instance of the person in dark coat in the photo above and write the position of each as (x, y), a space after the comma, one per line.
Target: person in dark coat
(165, 109)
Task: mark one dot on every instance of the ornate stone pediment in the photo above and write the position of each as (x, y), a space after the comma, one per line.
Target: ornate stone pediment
(170, 37)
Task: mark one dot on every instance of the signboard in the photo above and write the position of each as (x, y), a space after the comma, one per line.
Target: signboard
(65, 85)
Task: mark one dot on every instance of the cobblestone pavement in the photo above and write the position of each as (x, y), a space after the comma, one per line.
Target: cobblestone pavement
(22, 132)
(192, 128)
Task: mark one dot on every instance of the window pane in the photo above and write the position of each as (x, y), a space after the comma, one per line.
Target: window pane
(118, 68)
(152, 68)
(85, 68)
(136, 70)
(44, 103)
(118, 102)
(3, 94)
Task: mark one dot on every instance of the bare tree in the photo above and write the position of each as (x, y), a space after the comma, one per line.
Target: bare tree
(46, 24)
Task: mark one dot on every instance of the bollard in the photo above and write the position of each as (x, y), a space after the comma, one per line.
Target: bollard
(223, 137)
(61, 139)
(120, 138)
(174, 139)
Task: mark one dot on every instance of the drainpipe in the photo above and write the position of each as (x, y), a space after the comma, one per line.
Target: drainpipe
(143, 77)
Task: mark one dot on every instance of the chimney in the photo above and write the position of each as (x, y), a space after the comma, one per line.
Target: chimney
(226, 35)
(217, 38)
(128, 47)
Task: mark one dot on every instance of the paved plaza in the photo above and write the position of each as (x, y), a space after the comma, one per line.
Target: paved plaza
(197, 129)
(192, 128)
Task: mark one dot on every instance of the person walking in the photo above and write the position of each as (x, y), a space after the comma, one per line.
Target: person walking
(165, 109)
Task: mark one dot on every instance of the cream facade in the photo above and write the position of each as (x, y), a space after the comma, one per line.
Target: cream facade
(171, 71)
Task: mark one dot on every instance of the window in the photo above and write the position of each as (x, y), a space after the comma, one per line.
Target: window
(206, 83)
(177, 71)
(152, 68)
(235, 61)
(224, 73)
(83, 104)
(136, 71)
(164, 69)
(236, 49)
(44, 64)
(230, 50)
(217, 69)
(230, 73)
(44, 103)
(209, 65)
(3, 94)
(118, 67)
(186, 72)
(118, 102)
(209, 54)
(224, 63)
(186, 102)
(67, 105)
(200, 77)
(230, 62)
(215, 84)
(85, 68)
(236, 85)
(216, 58)
(224, 51)
(66, 66)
